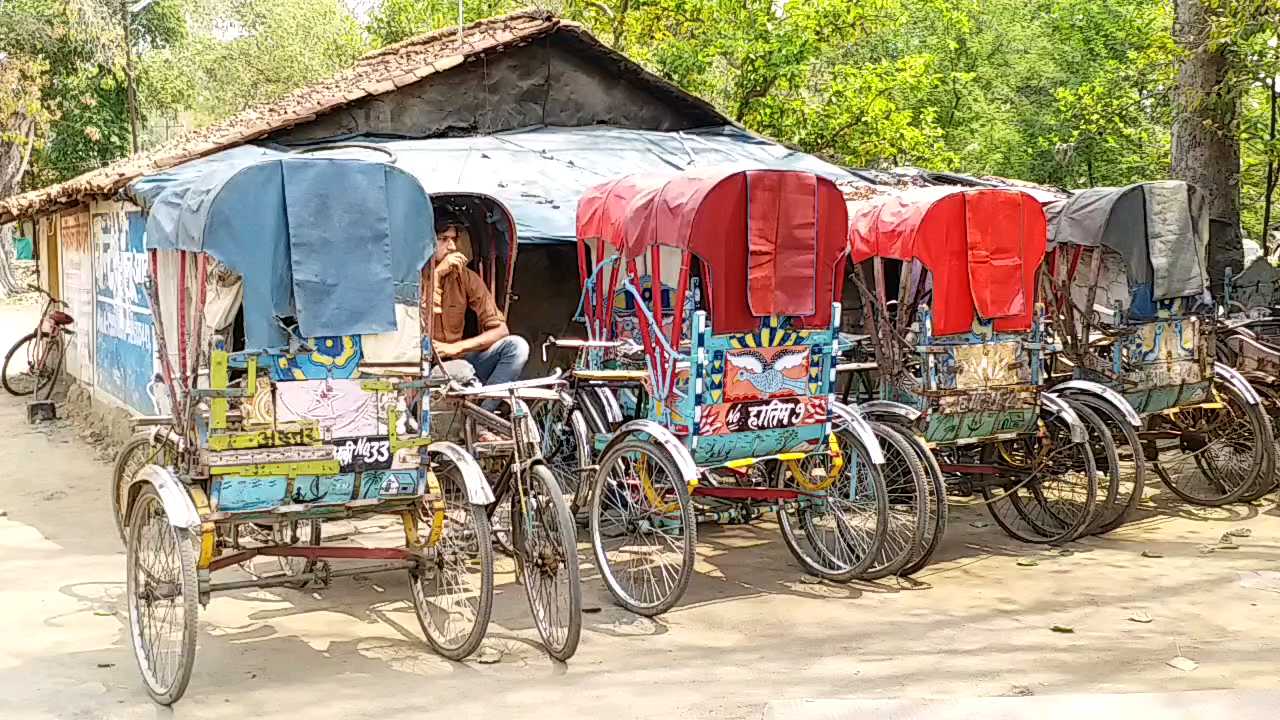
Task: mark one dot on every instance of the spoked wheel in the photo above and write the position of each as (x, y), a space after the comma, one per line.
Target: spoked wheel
(1106, 460)
(935, 507)
(1052, 498)
(564, 443)
(907, 492)
(1218, 452)
(1267, 482)
(642, 527)
(547, 561)
(136, 454)
(32, 366)
(1127, 468)
(453, 589)
(162, 596)
(837, 525)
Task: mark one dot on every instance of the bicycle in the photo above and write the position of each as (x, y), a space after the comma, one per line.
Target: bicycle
(42, 350)
(530, 516)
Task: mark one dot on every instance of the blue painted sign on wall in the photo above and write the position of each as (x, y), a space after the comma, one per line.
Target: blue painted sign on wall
(125, 342)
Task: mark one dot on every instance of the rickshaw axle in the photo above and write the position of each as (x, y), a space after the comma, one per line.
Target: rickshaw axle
(314, 553)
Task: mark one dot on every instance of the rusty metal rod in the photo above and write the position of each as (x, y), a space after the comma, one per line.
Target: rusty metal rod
(277, 581)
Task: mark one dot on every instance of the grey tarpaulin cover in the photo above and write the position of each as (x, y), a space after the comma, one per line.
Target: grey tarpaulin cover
(537, 173)
(1159, 228)
(333, 242)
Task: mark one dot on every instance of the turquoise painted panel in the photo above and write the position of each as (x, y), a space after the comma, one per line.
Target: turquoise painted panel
(324, 489)
(390, 483)
(235, 493)
(719, 449)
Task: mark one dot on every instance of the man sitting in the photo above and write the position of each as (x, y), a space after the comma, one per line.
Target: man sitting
(495, 354)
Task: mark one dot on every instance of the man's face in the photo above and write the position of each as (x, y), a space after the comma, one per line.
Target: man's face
(446, 241)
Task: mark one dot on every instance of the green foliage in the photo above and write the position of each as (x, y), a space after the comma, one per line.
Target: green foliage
(242, 52)
(396, 20)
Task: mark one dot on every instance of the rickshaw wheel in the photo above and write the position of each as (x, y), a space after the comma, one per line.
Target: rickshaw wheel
(907, 492)
(936, 505)
(453, 590)
(136, 454)
(837, 535)
(644, 554)
(1129, 486)
(1221, 477)
(1266, 482)
(1106, 462)
(162, 596)
(547, 557)
(1056, 502)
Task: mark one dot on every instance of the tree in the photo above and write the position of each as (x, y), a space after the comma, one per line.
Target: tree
(22, 123)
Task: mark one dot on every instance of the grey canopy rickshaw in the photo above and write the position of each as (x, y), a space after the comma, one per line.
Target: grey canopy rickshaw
(1159, 229)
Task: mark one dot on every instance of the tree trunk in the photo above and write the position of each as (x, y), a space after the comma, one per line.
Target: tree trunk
(1206, 143)
(15, 157)
(8, 278)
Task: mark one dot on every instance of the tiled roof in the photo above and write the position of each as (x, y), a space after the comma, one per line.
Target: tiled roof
(379, 72)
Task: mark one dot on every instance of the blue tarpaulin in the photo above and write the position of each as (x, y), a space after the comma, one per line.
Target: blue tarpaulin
(538, 173)
(331, 242)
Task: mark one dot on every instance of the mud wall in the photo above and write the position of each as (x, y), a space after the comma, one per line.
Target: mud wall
(539, 84)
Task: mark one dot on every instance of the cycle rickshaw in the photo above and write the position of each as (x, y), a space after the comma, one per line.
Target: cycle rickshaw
(314, 413)
(946, 279)
(706, 377)
(1132, 312)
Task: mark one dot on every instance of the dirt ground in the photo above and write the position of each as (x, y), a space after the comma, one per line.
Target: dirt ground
(971, 635)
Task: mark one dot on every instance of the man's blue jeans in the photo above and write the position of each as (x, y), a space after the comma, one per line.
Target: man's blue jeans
(503, 362)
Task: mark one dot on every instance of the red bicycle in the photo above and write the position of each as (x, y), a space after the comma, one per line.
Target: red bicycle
(33, 364)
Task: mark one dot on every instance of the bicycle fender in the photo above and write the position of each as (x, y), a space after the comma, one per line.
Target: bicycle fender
(1059, 406)
(478, 490)
(1108, 394)
(179, 508)
(665, 438)
(1232, 377)
(896, 410)
(854, 420)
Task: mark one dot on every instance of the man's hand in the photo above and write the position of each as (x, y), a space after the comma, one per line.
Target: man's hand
(451, 263)
(448, 350)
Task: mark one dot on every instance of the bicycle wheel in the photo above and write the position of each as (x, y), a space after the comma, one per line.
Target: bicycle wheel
(547, 561)
(1053, 497)
(835, 531)
(937, 508)
(1219, 451)
(49, 368)
(162, 595)
(642, 528)
(908, 504)
(453, 590)
(19, 374)
(1130, 468)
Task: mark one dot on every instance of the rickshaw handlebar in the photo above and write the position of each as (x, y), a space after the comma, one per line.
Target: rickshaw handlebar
(555, 378)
